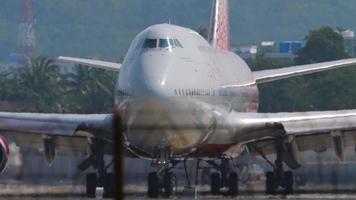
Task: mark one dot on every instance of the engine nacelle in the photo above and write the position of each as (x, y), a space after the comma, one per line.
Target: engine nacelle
(4, 153)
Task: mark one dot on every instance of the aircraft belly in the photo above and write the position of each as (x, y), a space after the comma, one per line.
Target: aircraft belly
(159, 123)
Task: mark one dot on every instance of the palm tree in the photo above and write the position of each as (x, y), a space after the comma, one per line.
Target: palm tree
(42, 79)
(11, 90)
(93, 91)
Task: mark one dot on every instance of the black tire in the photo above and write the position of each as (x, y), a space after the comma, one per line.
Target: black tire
(91, 183)
(288, 181)
(168, 184)
(153, 185)
(109, 186)
(300, 180)
(233, 182)
(270, 183)
(215, 183)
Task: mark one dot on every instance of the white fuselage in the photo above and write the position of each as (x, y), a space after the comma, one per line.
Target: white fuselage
(173, 95)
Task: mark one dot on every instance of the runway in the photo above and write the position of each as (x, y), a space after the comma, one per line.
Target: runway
(240, 197)
(260, 197)
(68, 191)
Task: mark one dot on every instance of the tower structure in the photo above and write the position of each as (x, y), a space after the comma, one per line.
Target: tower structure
(27, 36)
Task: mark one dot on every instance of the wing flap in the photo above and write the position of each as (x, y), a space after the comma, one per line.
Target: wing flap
(63, 143)
(270, 75)
(53, 124)
(316, 131)
(94, 63)
(304, 123)
(70, 131)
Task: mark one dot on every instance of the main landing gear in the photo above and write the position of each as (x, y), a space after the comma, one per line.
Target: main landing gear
(163, 181)
(102, 178)
(225, 177)
(278, 180)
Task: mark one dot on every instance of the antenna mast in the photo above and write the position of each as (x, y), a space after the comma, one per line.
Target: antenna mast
(27, 36)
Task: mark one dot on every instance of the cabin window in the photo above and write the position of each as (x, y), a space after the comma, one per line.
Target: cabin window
(150, 43)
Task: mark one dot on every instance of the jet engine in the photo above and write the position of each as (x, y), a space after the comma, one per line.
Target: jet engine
(4, 153)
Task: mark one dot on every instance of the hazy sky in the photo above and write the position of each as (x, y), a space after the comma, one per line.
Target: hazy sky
(105, 28)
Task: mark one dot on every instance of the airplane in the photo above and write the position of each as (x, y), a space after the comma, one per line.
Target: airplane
(183, 97)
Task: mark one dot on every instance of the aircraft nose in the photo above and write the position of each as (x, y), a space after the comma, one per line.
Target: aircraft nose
(148, 85)
(150, 77)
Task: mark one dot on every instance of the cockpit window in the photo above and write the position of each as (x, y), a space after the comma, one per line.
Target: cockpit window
(171, 42)
(164, 43)
(161, 43)
(150, 43)
(177, 43)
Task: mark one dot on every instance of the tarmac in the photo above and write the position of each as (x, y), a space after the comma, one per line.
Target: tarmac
(68, 191)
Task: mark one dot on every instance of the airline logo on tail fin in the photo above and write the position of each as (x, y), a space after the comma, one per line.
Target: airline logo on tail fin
(219, 32)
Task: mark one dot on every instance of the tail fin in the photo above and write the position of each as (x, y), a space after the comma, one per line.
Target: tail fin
(219, 32)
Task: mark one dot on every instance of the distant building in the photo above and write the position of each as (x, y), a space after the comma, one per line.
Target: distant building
(350, 43)
(12, 67)
(290, 46)
(285, 50)
(11, 70)
(246, 50)
(67, 73)
(267, 47)
(248, 53)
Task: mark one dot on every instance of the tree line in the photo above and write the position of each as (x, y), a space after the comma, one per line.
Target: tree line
(90, 91)
(330, 90)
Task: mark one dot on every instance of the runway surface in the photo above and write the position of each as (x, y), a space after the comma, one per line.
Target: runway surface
(242, 197)
(291, 197)
(67, 191)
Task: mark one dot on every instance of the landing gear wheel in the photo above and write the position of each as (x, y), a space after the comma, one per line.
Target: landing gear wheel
(91, 183)
(288, 182)
(109, 185)
(153, 185)
(215, 182)
(233, 184)
(270, 183)
(168, 184)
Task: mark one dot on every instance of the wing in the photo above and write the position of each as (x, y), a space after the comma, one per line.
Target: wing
(266, 76)
(70, 131)
(95, 63)
(300, 131)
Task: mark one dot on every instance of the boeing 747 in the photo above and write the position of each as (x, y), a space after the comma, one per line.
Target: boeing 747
(183, 97)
